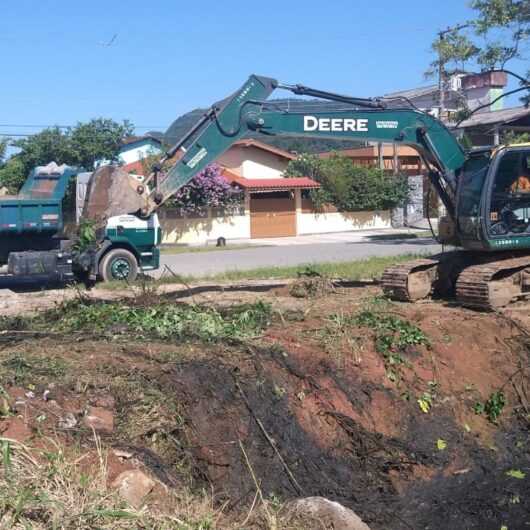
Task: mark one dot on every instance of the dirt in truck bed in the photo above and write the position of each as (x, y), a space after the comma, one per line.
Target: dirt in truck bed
(232, 404)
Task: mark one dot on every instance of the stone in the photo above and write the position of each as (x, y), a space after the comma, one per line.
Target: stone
(120, 453)
(68, 421)
(331, 513)
(99, 419)
(133, 485)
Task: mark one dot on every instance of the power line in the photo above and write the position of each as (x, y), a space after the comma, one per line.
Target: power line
(25, 125)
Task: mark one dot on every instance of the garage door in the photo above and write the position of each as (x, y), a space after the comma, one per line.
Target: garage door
(272, 215)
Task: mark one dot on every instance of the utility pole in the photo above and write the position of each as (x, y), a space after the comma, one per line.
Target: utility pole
(441, 66)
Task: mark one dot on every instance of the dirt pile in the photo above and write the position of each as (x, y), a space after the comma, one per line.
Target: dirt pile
(412, 416)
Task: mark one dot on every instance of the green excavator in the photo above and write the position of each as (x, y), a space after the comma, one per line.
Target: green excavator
(483, 190)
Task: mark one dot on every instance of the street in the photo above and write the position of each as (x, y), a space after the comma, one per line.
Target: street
(295, 251)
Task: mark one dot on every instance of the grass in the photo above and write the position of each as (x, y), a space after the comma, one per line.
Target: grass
(349, 270)
(363, 269)
(185, 249)
(67, 488)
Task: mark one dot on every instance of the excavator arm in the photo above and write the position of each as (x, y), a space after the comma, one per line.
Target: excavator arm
(248, 111)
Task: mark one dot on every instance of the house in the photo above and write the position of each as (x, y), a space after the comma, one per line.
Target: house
(487, 128)
(273, 205)
(135, 149)
(462, 89)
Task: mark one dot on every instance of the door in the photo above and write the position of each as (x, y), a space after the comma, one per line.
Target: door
(272, 214)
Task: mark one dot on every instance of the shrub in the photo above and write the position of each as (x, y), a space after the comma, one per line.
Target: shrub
(349, 187)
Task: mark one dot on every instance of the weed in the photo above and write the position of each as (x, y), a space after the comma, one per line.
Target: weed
(492, 407)
(338, 335)
(164, 320)
(425, 401)
(394, 336)
(19, 368)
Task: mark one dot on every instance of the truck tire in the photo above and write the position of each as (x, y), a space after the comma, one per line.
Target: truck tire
(118, 264)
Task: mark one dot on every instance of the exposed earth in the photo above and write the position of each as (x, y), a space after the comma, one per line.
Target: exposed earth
(414, 416)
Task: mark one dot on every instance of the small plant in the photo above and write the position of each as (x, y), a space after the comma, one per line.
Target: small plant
(394, 336)
(164, 320)
(86, 235)
(492, 407)
(516, 473)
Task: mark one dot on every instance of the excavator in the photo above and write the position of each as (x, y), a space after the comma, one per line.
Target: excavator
(487, 210)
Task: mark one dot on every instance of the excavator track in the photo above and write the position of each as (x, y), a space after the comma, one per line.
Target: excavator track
(479, 281)
(489, 286)
(411, 281)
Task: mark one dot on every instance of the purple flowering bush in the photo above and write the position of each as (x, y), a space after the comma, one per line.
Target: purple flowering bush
(207, 189)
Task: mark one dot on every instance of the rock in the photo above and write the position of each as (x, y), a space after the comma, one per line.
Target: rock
(68, 421)
(120, 453)
(133, 486)
(329, 512)
(17, 430)
(99, 419)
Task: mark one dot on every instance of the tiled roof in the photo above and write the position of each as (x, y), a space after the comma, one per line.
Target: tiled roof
(272, 184)
(504, 116)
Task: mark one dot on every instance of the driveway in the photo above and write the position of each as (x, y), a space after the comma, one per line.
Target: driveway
(301, 250)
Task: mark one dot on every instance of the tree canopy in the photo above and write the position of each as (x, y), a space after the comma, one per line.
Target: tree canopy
(499, 33)
(81, 146)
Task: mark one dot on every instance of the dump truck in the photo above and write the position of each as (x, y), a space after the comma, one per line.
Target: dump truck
(485, 191)
(34, 246)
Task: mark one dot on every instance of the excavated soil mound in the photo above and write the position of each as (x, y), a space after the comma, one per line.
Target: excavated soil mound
(388, 409)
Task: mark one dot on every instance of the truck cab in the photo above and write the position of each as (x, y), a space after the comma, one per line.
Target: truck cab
(130, 245)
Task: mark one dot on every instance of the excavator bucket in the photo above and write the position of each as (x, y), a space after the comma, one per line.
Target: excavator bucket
(112, 191)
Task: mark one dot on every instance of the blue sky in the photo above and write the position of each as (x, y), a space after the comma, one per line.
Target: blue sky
(170, 57)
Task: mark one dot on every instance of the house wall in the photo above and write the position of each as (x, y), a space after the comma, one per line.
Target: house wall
(253, 163)
(322, 223)
(201, 230)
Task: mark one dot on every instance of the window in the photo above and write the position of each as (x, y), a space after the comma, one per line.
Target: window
(510, 197)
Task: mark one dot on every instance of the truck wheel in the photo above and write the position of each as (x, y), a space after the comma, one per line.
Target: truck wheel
(118, 264)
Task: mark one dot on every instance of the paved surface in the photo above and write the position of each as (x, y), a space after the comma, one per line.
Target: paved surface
(296, 251)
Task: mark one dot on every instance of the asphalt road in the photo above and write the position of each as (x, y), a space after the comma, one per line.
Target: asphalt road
(299, 253)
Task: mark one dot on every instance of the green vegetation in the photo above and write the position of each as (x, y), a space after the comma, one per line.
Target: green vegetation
(348, 270)
(348, 187)
(394, 337)
(159, 319)
(492, 407)
(82, 145)
(51, 488)
(19, 368)
(86, 234)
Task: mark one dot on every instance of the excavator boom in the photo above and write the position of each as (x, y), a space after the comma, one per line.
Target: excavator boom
(248, 111)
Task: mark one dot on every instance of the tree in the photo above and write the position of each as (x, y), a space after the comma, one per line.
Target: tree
(3, 149)
(490, 41)
(348, 187)
(81, 146)
(99, 139)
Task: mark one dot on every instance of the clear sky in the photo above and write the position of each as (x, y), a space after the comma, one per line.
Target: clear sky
(169, 57)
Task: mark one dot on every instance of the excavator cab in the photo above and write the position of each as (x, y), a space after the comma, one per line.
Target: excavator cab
(493, 208)
(508, 198)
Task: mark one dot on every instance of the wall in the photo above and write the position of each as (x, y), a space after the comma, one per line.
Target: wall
(322, 223)
(201, 230)
(253, 163)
